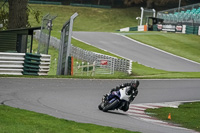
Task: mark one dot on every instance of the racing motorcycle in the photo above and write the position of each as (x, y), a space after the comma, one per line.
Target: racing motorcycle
(118, 100)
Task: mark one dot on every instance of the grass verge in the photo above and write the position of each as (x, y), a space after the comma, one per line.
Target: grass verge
(89, 19)
(110, 20)
(14, 120)
(187, 115)
(183, 45)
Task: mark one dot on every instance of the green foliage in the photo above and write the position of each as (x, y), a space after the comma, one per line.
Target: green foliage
(3, 19)
(36, 15)
(4, 15)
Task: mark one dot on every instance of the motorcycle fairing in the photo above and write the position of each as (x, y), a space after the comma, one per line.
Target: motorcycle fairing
(123, 95)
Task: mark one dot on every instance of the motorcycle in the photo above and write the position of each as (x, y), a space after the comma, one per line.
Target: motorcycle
(116, 100)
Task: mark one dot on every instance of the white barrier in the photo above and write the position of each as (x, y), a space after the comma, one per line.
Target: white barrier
(184, 29)
(199, 31)
(141, 28)
(13, 63)
(125, 29)
(44, 64)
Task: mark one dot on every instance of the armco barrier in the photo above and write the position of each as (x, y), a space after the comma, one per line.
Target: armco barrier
(21, 63)
(11, 63)
(36, 64)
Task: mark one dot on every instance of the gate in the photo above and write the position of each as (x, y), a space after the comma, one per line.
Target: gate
(104, 66)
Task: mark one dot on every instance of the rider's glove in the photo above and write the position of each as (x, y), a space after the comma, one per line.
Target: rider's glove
(112, 90)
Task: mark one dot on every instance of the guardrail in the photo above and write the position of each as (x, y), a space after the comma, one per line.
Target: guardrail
(11, 63)
(14, 64)
(122, 65)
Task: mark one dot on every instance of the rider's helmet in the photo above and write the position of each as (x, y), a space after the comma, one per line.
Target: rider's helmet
(129, 90)
(135, 83)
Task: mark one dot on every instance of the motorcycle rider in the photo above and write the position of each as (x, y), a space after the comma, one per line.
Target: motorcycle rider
(132, 89)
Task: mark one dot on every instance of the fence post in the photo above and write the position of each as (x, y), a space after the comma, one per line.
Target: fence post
(72, 64)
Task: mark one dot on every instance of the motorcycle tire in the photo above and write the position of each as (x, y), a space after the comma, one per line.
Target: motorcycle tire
(111, 106)
(100, 106)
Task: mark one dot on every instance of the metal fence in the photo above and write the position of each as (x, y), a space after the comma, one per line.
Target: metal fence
(65, 45)
(122, 65)
(46, 28)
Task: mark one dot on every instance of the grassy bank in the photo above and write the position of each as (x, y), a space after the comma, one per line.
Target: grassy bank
(138, 70)
(89, 19)
(183, 45)
(15, 120)
(113, 19)
(187, 115)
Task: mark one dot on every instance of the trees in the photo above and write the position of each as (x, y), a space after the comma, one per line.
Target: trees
(18, 17)
(14, 14)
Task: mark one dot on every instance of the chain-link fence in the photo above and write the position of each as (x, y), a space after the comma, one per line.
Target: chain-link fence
(45, 34)
(122, 65)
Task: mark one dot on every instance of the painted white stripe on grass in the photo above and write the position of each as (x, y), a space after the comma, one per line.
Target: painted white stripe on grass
(158, 49)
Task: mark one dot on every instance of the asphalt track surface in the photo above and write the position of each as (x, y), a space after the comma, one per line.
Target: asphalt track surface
(77, 99)
(137, 52)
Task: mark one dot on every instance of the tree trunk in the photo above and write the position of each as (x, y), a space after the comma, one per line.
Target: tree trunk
(99, 2)
(150, 4)
(18, 17)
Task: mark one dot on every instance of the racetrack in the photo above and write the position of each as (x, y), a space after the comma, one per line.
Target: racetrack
(137, 52)
(77, 99)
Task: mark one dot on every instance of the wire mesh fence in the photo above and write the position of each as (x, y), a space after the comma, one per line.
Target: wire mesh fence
(122, 65)
(45, 34)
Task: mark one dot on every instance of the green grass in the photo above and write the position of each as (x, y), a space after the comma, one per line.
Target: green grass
(187, 115)
(14, 120)
(92, 48)
(141, 71)
(105, 20)
(89, 19)
(183, 45)
(109, 20)
(138, 70)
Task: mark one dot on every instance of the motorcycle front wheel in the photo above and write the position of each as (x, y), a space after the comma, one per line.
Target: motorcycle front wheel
(111, 106)
(101, 106)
